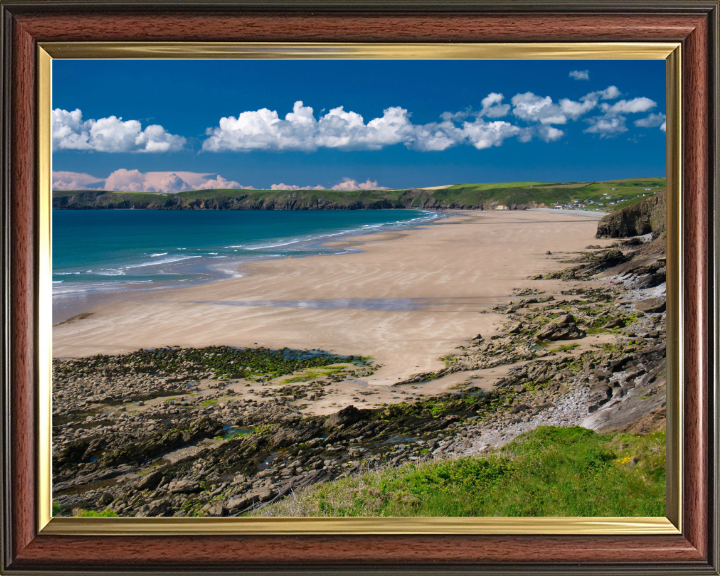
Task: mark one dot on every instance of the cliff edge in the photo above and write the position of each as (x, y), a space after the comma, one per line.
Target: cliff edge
(644, 217)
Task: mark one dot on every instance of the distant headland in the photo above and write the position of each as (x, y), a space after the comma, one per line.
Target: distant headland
(606, 196)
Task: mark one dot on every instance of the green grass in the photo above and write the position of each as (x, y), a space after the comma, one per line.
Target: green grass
(546, 472)
(93, 514)
(626, 192)
(314, 374)
(211, 401)
(565, 348)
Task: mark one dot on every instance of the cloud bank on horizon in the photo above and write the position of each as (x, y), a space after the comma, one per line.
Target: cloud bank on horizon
(123, 180)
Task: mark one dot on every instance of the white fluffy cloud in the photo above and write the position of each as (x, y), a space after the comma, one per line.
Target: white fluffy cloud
(652, 121)
(302, 130)
(62, 180)
(607, 126)
(111, 134)
(346, 130)
(492, 106)
(542, 110)
(532, 108)
(663, 127)
(574, 110)
(483, 134)
(549, 133)
(612, 122)
(633, 106)
(580, 74)
(610, 93)
(264, 130)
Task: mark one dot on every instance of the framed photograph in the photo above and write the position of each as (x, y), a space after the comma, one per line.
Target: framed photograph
(359, 288)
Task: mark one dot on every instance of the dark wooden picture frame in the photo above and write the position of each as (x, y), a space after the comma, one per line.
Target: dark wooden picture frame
(694, 24)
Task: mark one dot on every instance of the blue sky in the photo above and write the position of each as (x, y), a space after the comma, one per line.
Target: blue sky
(175, 125)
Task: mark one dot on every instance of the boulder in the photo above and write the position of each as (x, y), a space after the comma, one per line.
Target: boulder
(150, 481)
(599, 394)
(564, 328)
(345, 417)
(288, 435)
(515, 328)
(620, 363)
(183, 487)
(240, 502)
(105, 499)
(650, 280)
(218, 510)
(651, 305)
(611, 257)
(160, 508)
(519, 408)
(245, 500)
(615, 323)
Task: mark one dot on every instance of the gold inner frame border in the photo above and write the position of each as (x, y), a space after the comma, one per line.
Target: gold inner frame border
(670, 524)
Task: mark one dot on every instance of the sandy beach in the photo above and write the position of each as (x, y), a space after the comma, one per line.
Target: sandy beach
(205, 429)
(407, 299)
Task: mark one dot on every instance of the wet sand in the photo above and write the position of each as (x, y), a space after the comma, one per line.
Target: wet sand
(408, 299)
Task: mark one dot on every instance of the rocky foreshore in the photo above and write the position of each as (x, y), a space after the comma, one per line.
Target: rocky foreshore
(225, 432)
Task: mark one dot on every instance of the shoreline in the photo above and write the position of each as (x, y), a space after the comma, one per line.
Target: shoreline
(74, 298)
(450, 269)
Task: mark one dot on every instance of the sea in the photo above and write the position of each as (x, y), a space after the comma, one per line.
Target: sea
(101, 252)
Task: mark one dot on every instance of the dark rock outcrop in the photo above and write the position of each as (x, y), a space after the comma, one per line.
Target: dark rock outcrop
(564, 328)
(646, 216)
(345, 417)
(651, 305)
(293, 435)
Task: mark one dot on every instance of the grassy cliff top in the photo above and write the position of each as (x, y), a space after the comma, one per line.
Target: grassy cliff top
(546, 472)
(607, 196)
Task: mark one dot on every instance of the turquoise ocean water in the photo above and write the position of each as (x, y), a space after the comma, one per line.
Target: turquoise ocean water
(110, 251)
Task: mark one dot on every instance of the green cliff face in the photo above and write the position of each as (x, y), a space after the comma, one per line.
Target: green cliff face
(509, 195)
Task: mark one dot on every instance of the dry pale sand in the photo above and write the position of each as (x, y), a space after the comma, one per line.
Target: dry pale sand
(457, 267)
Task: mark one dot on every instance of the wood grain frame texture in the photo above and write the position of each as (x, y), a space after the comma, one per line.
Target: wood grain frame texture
(693, 23)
